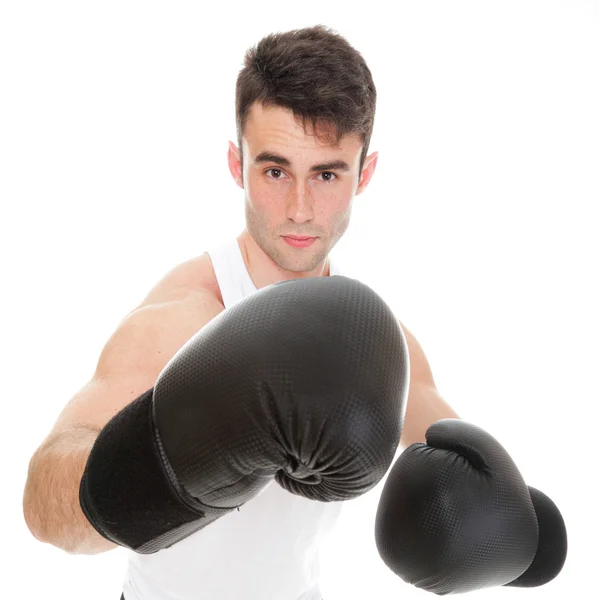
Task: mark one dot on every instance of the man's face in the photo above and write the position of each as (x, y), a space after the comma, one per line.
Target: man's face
(296, 185)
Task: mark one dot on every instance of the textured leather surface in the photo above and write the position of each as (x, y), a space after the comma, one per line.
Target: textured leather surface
(305, 380)
(455, 514)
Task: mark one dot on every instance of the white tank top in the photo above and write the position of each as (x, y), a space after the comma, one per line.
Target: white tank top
(268, 550)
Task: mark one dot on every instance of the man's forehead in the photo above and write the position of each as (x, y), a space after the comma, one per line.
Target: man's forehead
(270, 126)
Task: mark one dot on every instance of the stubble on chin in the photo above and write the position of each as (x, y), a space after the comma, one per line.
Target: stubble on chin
(299, 261)
(294, 260)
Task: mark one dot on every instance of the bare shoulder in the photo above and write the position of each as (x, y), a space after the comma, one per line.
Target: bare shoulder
(176, 308)
(192, 276)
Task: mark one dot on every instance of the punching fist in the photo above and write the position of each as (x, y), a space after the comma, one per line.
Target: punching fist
(304, 382)
(455, 516)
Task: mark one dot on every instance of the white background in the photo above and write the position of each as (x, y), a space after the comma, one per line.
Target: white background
(479, 227)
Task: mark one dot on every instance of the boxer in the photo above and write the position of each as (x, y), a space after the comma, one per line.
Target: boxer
(255, 388)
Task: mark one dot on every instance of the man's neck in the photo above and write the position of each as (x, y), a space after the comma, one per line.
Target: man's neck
(264, 271)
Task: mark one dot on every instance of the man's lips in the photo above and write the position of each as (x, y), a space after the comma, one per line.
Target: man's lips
(299, 242)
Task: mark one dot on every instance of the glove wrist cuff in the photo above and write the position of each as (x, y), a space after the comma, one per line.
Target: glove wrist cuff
(129, 494)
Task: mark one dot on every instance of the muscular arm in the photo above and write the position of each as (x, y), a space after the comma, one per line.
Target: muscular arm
(50, 500)
(128, 366)
(425, 404)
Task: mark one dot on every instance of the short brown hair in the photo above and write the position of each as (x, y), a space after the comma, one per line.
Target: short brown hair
(315, 73)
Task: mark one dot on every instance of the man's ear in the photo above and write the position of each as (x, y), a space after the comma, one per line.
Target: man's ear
(367, 171)
(234, 160)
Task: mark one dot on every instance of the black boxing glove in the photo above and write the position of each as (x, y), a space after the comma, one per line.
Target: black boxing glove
(455, 515)
(304, 381)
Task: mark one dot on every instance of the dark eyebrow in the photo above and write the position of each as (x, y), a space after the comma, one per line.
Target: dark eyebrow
(335, 165)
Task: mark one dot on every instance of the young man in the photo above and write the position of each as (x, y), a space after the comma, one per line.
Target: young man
(305, 105)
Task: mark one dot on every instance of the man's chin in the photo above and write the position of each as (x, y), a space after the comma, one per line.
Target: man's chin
(305, 264)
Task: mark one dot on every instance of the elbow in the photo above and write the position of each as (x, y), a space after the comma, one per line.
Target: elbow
(32, 516)
(34, 513)
(30, 504)
(34, 522)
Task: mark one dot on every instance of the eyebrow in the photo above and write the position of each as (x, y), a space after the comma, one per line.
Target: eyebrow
(266, 156)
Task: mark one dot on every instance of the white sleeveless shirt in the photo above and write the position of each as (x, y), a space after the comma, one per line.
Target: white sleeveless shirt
(268, 550)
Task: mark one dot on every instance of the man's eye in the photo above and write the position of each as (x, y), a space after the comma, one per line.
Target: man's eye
(329, 173)
(328, 176)
(274, 171)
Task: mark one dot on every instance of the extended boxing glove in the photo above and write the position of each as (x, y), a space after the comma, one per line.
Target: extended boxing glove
(455, 515)
(304, 381)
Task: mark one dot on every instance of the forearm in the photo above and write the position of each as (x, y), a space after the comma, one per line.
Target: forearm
(425, 407)
(51, 498)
